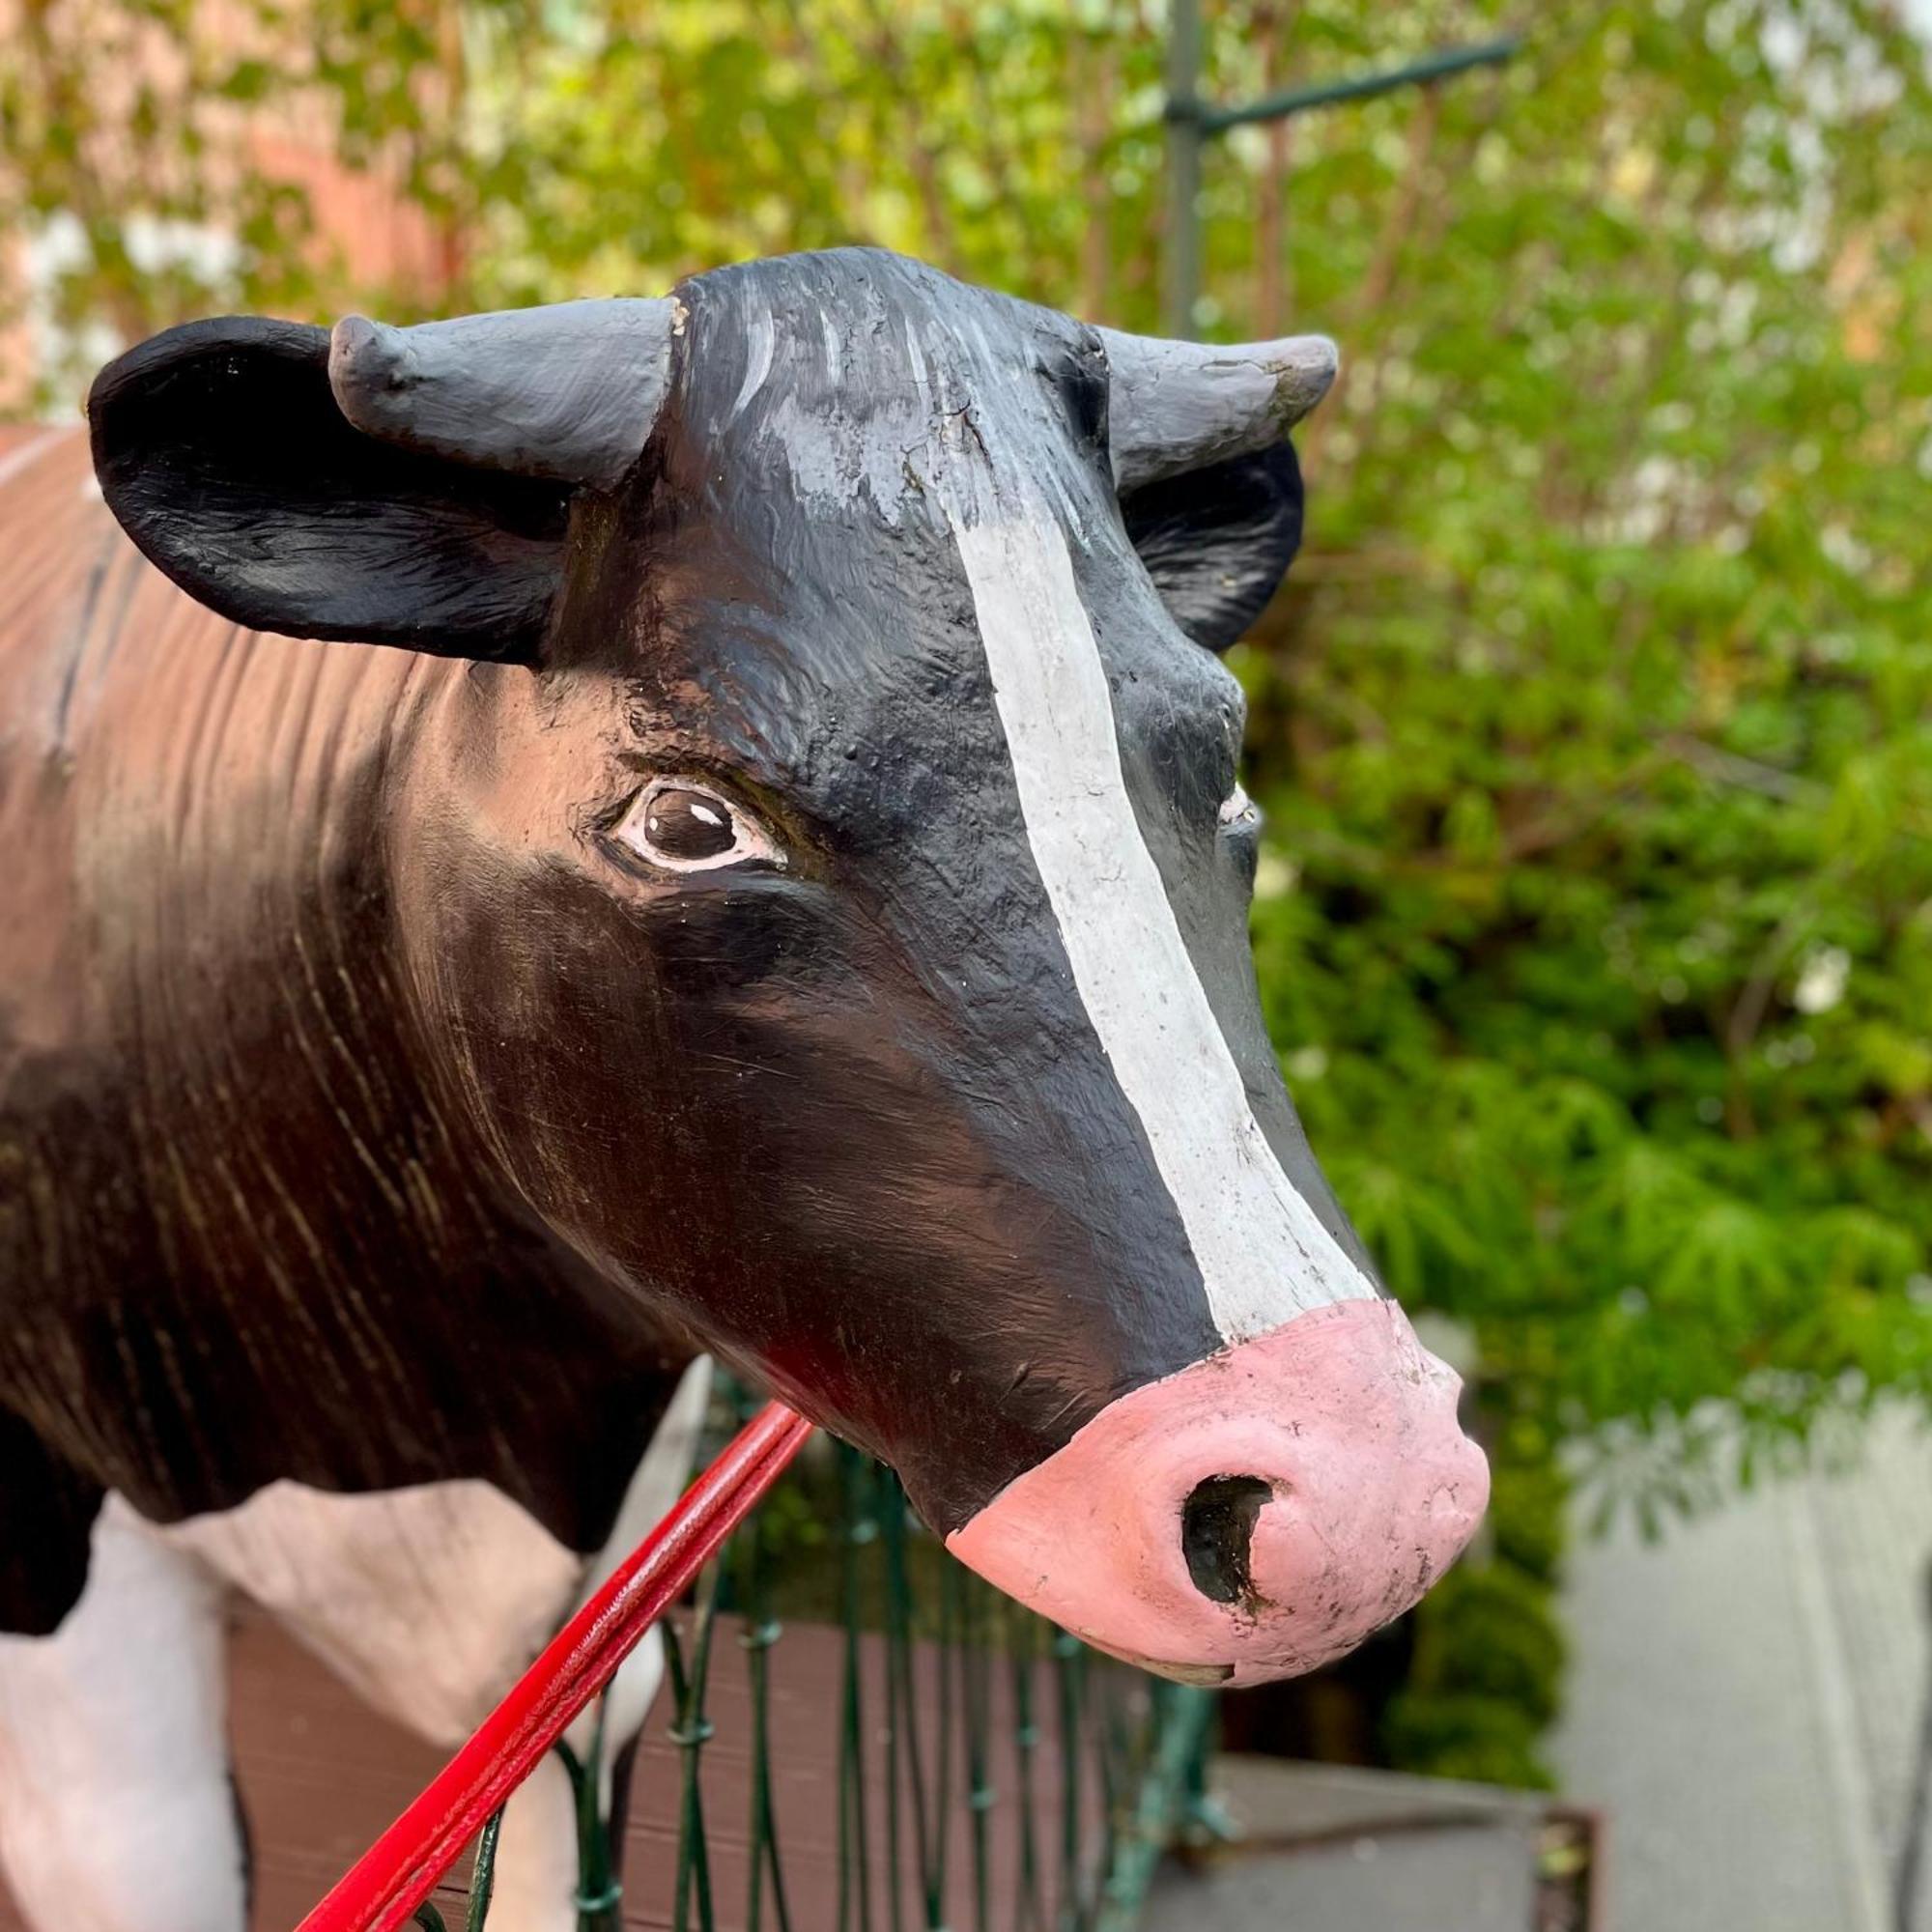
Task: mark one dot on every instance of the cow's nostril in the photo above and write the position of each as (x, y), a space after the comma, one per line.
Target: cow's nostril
(1217, 1523)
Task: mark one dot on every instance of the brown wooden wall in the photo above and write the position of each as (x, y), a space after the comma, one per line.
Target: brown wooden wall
(321, 1776)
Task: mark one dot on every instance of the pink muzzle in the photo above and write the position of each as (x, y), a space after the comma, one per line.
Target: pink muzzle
(1255, 1515)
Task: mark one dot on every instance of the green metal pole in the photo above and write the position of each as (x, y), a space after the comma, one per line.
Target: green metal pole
(1181, 270)
(1363, 87)
(1185, 1737)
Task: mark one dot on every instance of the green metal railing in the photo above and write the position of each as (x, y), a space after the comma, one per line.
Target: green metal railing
(1192, 123)
(993, 1773)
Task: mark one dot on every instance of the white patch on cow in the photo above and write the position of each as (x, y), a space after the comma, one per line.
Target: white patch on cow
(425, 1600)
(916, 363)
(660, 1480)
(1236, 809)
(429, 1602)
(1263, 1255)
(115, 1813)
(536, 1854)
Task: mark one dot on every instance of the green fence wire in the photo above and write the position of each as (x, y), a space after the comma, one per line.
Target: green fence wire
(1042, 1809)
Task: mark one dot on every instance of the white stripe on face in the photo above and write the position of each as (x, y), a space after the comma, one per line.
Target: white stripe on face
(1263, 1256)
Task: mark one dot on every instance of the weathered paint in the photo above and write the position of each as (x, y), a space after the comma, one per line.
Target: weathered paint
(569, 392)
(1178, 407)
(116, 1811)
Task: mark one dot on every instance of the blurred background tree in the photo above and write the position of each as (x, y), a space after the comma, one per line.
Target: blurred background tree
(1596, 923)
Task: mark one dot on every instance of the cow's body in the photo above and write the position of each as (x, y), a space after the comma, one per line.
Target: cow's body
(788, 900)
(229, 1173)
(223, 1191)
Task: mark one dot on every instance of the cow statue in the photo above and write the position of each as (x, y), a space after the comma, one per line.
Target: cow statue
(753, 870)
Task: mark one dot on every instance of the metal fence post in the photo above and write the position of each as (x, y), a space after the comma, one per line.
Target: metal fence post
(1180, 268)
(1192, 122)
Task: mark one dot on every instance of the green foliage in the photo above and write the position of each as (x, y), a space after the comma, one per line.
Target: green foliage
(1595, 932)
(1594, 925)
(1485, 1740)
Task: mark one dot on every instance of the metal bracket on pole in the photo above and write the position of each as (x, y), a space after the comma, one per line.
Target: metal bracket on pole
(1192, 122)
(1363, 87)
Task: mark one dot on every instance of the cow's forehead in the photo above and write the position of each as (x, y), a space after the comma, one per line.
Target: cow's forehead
(841, 420)
(868, 382)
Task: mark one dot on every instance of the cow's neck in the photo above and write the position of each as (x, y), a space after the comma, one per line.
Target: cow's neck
(266, 1249)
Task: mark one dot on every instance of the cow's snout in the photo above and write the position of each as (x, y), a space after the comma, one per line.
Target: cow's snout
(1255, 1515)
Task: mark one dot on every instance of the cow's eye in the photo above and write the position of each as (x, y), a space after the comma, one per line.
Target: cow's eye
(686, 827)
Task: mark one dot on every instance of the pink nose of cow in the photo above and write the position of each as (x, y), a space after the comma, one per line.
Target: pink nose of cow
(1255, 1515)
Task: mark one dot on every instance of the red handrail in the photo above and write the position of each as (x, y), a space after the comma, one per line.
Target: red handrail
(402, 1867)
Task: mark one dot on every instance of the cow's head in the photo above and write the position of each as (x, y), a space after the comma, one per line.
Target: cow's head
(826, 895)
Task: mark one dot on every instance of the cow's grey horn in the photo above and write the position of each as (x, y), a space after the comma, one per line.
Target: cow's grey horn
(568, 391)
(1179, 405)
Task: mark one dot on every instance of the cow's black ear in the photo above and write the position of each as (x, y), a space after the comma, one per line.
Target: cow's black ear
(1217, 541)
(220, 448)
